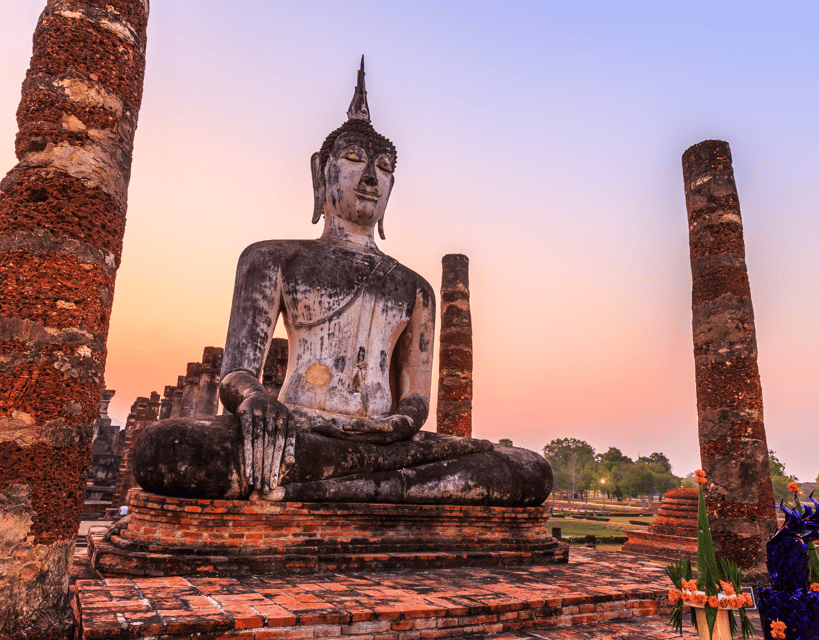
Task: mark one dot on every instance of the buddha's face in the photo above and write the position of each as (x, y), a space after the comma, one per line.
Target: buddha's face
(358, 178)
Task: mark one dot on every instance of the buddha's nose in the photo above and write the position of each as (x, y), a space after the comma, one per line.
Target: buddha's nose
(368, 177)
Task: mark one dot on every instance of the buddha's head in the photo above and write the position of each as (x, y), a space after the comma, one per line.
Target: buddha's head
(353, 170)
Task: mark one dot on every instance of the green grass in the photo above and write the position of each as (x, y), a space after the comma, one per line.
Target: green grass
(571, 527)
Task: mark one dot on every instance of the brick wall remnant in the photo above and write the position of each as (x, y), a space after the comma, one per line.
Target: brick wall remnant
(206, 402)
(733, 446)
(275, 367)
(455, 363)
(190, 388)
(166, 403)
(104, 456)
(176, 402)
(143, 412)
(62, 218)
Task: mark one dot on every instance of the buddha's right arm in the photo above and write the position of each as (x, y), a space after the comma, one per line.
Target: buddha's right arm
(263, 420)
(253, 314)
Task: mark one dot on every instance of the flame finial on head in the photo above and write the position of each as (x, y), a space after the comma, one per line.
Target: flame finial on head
(358, 107)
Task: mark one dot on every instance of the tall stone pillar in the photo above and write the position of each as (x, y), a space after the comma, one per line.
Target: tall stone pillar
(455, 363)
(733, 447)
(62, 218)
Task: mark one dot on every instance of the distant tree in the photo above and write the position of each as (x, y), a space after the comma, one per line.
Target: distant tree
(506, 442)
(779, 478)
(569, 459)
(637, 479)
(777, 468)
(613, 457)
(817, 479)
(657, 458)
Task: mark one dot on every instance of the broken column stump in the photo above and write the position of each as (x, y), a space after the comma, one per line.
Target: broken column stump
(62, 218)
(455, 363)
(733, 447)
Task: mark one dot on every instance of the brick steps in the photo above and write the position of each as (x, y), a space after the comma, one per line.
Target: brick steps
(111, 560)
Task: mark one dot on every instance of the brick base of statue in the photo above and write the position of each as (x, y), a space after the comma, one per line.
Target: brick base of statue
(177, 536)
(674, 531)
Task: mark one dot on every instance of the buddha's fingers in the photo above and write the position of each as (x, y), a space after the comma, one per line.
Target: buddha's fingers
(258, 447)
(278, 455)
(270, 449)
(290, 446)
(360, 426)
(246, 420)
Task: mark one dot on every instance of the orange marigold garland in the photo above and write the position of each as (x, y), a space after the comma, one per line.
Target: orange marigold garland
(718, 584)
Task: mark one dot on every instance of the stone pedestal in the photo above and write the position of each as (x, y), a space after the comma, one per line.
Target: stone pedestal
(673, 533)
(178, 536)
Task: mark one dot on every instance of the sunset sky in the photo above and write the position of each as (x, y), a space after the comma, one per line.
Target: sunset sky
(541, 139)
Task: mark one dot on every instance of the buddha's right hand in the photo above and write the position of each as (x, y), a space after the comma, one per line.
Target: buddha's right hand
(265, 440)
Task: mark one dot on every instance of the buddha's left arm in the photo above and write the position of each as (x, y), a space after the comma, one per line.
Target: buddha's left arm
(414, 360)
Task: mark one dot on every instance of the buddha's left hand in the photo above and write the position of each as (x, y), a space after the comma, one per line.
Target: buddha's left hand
(382, 430)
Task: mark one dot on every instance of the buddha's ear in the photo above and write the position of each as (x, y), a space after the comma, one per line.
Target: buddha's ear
(319, 187)
(381, 219)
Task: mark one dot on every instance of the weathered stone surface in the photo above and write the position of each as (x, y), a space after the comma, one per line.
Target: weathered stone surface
(62, 217)
(455, 361)
(733, 446)
(345, 424)
(199, 458)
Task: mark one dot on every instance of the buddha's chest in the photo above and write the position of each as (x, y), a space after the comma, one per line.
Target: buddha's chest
(341, 287)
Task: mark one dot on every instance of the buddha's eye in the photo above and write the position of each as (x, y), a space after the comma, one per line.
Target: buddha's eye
(354, 154)
(384, 163)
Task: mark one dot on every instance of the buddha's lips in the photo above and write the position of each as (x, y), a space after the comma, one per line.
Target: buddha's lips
(368, 195)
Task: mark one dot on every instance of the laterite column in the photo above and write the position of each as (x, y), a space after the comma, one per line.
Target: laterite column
(733, 447)
(62, 218)
(455, 363)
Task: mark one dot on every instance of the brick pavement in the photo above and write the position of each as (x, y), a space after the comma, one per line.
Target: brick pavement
(601, 594)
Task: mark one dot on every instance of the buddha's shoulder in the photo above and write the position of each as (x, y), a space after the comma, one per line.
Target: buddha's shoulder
(423, 287)
(278, 250)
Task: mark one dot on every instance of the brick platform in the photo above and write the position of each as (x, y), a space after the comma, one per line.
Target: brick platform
(673, 533)
(176, 536)
(594, 587)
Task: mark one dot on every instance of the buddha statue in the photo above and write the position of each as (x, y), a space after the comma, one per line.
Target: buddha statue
(346, 426)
